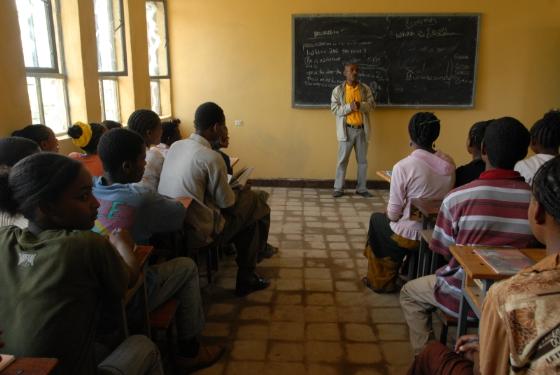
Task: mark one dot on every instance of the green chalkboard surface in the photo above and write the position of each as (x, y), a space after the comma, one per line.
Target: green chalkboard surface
(407, 60)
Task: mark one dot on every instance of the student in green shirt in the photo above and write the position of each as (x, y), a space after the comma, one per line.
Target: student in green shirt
(55, 274)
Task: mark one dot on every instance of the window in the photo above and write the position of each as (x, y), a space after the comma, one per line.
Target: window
(46, 83)
(158, 57)
(109, 91)
(111, 54)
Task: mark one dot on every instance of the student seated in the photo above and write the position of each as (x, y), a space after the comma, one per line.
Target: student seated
(193, 169)
(519, 325)
(55, 274)
(148, 124)
(86, 137)
(110, 124)
(545, 140)
(124, 203)
(223, 142)
(425, 173)
(170, 134)
(490, 211)
(12, 150)
(40, 134)
(469, 172)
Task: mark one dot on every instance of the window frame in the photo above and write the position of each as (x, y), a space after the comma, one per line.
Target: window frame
(102, 97)
(122, 26)
(52, 40)
(168, 75)
(58, 71)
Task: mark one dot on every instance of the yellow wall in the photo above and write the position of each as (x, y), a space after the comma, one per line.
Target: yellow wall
(238, 54)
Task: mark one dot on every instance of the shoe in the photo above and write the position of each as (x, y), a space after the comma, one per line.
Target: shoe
(256, 282)
(268, 252)
(394, 286)
(337, 193)
(365, 194)
(206, 357)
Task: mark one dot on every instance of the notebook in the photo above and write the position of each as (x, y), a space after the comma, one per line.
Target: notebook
(240, 179)
(5, 360)
(505, 261)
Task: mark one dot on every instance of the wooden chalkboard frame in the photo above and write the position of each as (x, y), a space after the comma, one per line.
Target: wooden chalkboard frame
(381, 15)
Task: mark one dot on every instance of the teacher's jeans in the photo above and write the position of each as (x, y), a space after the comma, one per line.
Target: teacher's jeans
(355, 138)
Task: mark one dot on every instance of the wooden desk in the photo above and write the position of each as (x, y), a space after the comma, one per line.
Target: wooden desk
(476, 269)
(426, 209)
(31, 366)
(385, 175)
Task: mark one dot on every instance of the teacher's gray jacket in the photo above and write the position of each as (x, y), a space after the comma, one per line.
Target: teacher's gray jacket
(341, 109)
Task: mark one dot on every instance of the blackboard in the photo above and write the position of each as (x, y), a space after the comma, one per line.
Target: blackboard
(407, 60)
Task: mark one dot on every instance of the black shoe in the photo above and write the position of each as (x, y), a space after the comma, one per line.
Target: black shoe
(365, 194)
(337, 193)
(255, 283)
(268, 252)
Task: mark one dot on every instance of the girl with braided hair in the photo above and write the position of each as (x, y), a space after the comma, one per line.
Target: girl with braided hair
(425, 173)
(545, 140)
(519, 325)
(148, 124)
(86, 137)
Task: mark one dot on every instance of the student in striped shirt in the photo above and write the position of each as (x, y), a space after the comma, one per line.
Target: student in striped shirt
(491, 211)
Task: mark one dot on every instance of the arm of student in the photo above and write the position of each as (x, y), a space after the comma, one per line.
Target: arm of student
(494, 346)
(220, 191)
(369, 104)
(337, 107)
(443, 235)
(124, 244)
(397, 194)
(108, 266)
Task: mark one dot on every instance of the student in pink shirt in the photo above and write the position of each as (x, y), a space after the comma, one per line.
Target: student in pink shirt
(425, 173)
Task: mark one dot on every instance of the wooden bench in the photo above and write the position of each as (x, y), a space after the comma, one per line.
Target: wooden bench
(30, 366)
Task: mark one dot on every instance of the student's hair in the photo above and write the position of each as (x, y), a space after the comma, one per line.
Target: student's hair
(546, 131)
(38, 178)
(13, 149)
(36, 132)
(169, 130)
(208, 114)
(546, 187)
(76, 132)
(423, 129)
(476, 133)
(143, 120)
(118, 146)
(110, 124)
(506, 142)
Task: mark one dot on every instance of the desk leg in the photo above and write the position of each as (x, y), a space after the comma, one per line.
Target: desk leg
(422, 253)
(463, 309)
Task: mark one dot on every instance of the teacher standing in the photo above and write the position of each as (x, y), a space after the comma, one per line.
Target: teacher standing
(351, 103)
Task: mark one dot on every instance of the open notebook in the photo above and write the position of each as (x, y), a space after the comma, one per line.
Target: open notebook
(239, 179)
(505, 261)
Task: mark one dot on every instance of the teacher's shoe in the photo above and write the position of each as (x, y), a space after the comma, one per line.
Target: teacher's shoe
(337, 193)
(365, 194)
(250, 283)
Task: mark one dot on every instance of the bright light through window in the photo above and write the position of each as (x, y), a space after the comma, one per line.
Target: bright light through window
(157, 38)
(36, 33)
(109, 91)
(46, 84)
(110, 36)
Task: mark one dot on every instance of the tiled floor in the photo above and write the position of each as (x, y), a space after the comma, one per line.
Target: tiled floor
(316, 317)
